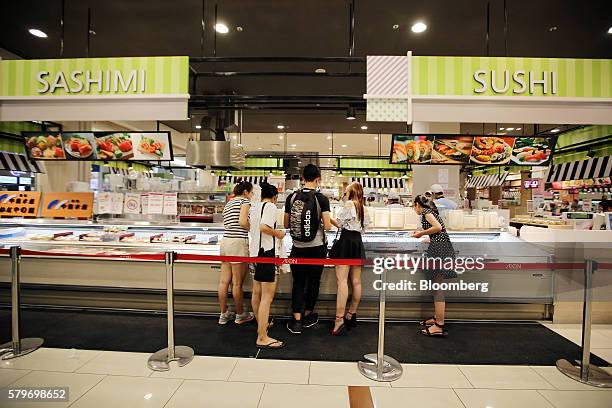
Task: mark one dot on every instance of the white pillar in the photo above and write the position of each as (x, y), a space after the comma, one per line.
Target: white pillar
(424, 176)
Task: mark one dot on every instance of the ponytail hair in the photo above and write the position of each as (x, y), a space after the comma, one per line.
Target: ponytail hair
(243, 186)
(268, 190)
(426, 202)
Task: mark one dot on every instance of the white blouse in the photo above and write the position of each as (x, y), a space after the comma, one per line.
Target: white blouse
(348, 220)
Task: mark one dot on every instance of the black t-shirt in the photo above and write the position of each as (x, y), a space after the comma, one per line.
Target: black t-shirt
(324, 204)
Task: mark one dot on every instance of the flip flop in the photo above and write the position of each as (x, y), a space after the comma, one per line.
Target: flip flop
(270, 345)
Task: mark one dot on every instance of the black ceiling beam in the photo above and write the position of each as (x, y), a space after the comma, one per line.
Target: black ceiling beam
(279, 73)
(279, 98)
(276, 59)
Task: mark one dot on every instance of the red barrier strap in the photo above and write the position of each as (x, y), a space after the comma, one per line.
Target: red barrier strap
(145, 257)
(276, 261)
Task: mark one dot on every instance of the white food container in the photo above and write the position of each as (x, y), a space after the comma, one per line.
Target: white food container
(470, 221)
(396, 218)
(382, 218)
(455, 220)
(411, 219)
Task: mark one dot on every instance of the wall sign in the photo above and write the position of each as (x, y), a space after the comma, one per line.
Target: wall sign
(67, 205)
(19, 203)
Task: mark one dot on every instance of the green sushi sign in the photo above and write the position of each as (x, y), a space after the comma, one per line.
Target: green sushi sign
(94, 77)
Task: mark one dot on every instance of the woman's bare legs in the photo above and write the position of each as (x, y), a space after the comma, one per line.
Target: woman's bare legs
(225, 279)
(238, 275)
(439, 306)
(355, 274)
(263, 312)
(342, 272)
(256, 297)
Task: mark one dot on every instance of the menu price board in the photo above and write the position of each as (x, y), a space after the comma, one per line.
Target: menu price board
(464, 149)
(19, 203)
(105, 146)
(67, 205)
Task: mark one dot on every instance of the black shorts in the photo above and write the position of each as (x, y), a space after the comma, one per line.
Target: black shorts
(265, 273)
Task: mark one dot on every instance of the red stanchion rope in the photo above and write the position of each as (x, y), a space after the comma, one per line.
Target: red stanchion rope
(143, 257)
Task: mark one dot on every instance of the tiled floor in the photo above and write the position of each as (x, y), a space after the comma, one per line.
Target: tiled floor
(116, 380)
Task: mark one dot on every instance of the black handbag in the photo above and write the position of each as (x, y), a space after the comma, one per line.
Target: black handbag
(333, 251)
(265, 267)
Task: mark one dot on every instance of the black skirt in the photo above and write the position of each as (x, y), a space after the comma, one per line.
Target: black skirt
(348, 246)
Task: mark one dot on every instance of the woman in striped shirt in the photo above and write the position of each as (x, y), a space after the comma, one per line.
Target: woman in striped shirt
(235, 242)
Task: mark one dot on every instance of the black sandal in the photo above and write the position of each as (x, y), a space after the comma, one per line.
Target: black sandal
(425, 324)
(271, 345)
(427, 333)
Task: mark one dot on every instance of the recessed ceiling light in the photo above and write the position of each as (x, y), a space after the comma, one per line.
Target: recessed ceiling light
(518, 128)
(350, 113)
(293, 145)
(259, 148)
(375, 137)
(280, 126)
(320, 70)
(364, 127)
(553, 28)
(395, 26)
(510, 128)
(234, 137)
(198, 127)
(329, 148)
(343, 145)
(329, 137)
(37, 33)
(281, 137)
(221, 28)
(239, 29)
(502, 128)
(419, 27)
(555, 130)
(610, 30)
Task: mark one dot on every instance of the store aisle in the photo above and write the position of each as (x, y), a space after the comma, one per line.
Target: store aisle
(120, 379)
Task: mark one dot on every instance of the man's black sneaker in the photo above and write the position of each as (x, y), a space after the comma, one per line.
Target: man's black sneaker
(294, 326)
(310, 320)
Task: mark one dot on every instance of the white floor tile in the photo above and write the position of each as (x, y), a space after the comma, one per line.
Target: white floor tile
(502, 399)
(271, 371)
(216, 394)
(561, 381)
(582, 399)
(48, 359)
(9, 376)
(201, 368)
(414, 397)
(574, 333)
(432, 376)
(605, 353)
(118, 363)
(304, 396)
(505, 377)
(133, 392)
(335, 373)
(78, 384)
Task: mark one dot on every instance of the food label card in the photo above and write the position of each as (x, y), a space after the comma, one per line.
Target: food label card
(155, 203)
(170, 204)
(131, 203)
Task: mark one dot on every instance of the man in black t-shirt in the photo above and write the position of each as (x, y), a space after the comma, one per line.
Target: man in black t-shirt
(307, 278)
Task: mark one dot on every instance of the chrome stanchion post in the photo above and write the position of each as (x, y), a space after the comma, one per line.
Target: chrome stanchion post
(380, 367)
(17, 347)
(160, 361)
(586, 373)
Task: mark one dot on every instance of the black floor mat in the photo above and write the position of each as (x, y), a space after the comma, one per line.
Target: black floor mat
(467, 343)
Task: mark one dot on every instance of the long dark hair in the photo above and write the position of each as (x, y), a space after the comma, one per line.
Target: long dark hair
(426, 202)
(355, 193)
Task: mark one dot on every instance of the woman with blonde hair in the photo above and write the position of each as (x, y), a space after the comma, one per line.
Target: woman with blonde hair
(351, 221)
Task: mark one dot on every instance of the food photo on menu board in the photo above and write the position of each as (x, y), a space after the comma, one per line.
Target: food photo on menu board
(411, 149)
(533, 151)
(152, 146)
(79, 145)
(452, 150)
(44, 145)
(115, 146)
(492, 149)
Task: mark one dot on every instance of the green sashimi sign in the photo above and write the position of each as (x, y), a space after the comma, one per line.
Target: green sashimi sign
(510, 76)
(95, 76)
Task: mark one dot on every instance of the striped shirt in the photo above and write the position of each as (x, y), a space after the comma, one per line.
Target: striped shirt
(231, 217)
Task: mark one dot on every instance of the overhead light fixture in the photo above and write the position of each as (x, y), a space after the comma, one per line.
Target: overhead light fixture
(259, 148)
(329, 148)
(553, 28)
(378, 174)
(375, 137)
(198, 127)
(212, 172)
(555, 130)
(221, 28)
(280, 126)
(37, 33)
(510, 128)
(229, 173)
(350, 113)
(367, 174)
(270, 174)
(395, 26)
(519, 128)
(418, 27)
(234, 137)
(329, 137)
(299, 162)
(405, 175)
(364, 127)
(340, 172)
(501, 128)
(320, 71)
(293, 145)
(281, 137)
(239, 29)
(610, 30)
(343, 145)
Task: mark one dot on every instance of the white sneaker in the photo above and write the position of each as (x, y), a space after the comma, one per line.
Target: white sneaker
(244, 318)
(226, 317)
